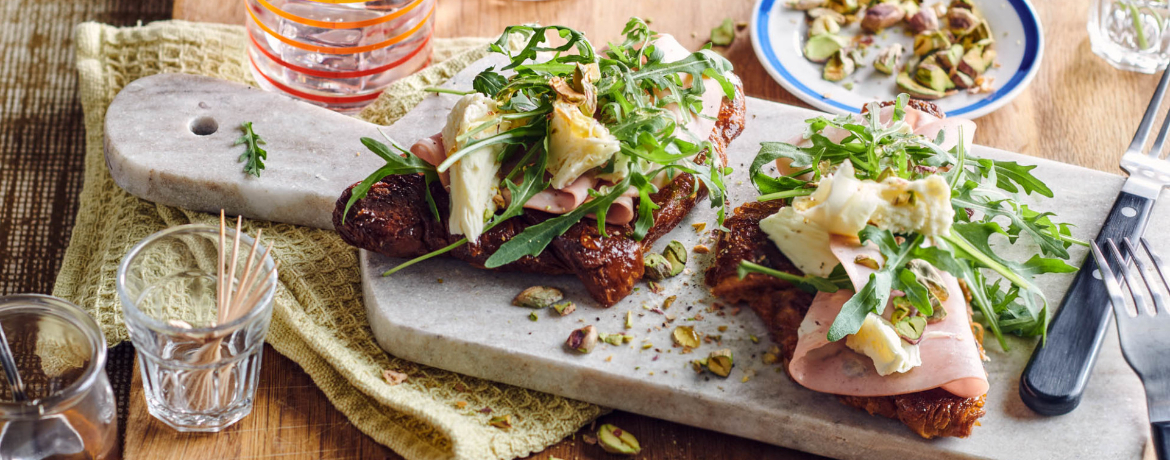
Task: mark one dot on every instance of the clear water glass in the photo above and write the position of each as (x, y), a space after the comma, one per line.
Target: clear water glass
(1131, 34)
(60, 356)
(197, 375)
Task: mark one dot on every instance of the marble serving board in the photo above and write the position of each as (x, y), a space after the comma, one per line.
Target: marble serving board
(446, 314)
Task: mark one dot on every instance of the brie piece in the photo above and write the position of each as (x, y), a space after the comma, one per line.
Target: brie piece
(878, 340)
(576, 144)
(473, 177)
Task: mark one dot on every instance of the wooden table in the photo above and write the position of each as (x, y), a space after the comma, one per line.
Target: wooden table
(1078, 110)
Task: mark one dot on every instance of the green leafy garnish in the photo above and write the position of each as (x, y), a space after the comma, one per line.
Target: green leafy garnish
(985, 194)
(253, 155)
(396, 165)
(627, 88)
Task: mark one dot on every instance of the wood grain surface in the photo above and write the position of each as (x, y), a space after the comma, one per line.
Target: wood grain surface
(1078, 110)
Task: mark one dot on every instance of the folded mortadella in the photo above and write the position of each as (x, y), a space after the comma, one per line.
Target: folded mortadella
(950, 356)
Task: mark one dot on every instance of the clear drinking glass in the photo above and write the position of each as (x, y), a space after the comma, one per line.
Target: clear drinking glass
(60, 357)
(197, 375)
(1131, 34)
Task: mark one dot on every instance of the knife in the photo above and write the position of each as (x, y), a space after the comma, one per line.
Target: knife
(1056, 375)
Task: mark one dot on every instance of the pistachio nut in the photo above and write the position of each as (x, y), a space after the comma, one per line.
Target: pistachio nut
(962, 21)
(617, 441)
(934, 77)
(676, 254)
(823, 25)
(685, 336)
(911, 8)
(980, 36)
(821, 47)
(902, 309)
(612, 339)
(964, 4)
(889, 59)
(532, 317)
(845, 6)
(819, 12)
(805, 5)
(538, 297)
(910, 328)
(881, 16)
(720, 362)
(926, 42)
(582, 340)
(923, 21)
(949, 58)
(565, 308)
(502, 422)
(866, 261)
(977, 60)
(657, 267)
(838, 67)
(699, 365)
(668, 302)
(929, 277)
(629, 319)
(962, 80)
(907, 83)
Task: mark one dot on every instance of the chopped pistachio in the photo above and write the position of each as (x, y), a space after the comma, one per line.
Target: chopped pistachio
(583, 340)
(722, 328)
(676, 254)
(701, 249)
(839, 66)
(866, 261)
(686, 337)
(848, 85)
(538, 297)
(880, 16)
(532, 317)
(719, 362)
(461, 404)
(806, 5)
(907, 83)
(771, 358)
(724, 34)
(617, 441)
(698, 226)
(926, 42)
(816, 13)
(647, 346)
(823, 25)
(616, 339)
(502, 422)
(565, 308)
(821, 47)
(629, 320)
(657, 267)
(888, 60)
(910, 328)
(668, 302)
(754, 338)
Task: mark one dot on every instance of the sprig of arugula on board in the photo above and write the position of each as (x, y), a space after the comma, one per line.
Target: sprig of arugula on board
(652, 142)
(985, 193)
(254, 155)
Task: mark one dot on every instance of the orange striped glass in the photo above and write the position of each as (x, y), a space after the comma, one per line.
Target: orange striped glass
(338, 54)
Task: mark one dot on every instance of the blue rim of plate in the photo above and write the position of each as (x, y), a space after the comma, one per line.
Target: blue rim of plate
(1028, 65)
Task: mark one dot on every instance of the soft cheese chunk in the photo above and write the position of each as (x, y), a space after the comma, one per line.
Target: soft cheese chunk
(576, 144)
(844, 205)
(473, 177)
(878, 340)
(804, 241)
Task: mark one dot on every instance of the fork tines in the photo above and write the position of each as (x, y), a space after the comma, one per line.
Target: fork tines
(1113, 274)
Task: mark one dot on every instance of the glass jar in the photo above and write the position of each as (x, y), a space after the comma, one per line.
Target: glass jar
(60, 354)
(1131, 34)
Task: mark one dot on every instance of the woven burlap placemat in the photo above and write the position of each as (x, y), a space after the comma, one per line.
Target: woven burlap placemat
(319, 320)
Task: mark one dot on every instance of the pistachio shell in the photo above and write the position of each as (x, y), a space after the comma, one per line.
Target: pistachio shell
(617, 441)
(889, 59)
(538, 297)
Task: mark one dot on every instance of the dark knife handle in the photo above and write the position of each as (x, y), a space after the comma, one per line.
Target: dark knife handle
(1161, 439)
(1056, 376)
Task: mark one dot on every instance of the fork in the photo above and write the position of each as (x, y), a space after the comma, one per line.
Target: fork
(1058, 372)
(1145, 337)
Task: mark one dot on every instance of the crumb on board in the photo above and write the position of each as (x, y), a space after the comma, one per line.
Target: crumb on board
(393, 377)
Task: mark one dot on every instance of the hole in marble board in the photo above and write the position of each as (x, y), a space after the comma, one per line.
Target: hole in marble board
(203, 126)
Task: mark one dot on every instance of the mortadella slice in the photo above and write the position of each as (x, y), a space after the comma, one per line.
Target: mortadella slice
(950, 357)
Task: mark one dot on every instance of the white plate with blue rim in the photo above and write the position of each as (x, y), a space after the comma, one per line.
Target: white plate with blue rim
(779, 33)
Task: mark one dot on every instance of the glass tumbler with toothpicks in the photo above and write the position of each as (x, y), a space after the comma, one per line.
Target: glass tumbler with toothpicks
(197, 300)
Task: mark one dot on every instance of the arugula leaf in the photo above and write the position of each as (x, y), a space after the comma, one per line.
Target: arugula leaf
(533, 240)
(536, 36)
(253, 155)
(489, 82)
(769, 153)
(807, 283)
(396, 165)
(1009, 174)
(876, 292)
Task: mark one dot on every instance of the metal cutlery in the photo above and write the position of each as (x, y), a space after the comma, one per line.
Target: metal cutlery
(1145, 335)
(1056, 375)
